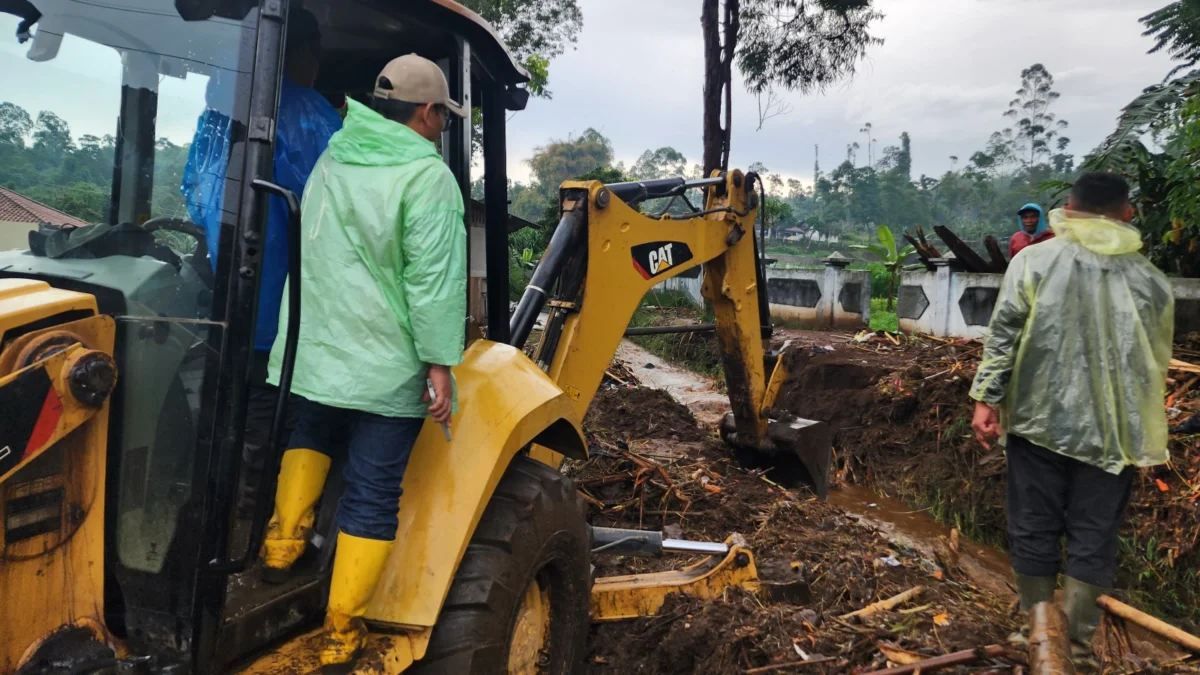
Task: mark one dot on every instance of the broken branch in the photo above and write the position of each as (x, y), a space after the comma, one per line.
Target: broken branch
(791, 664)
(1117, 608)
(1049, 640)
(886, 605)
(939, 662)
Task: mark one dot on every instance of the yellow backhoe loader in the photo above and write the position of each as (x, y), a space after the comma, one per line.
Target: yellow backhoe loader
(125, 353)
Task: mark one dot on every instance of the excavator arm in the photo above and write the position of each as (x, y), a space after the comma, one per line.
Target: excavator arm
(606, 255)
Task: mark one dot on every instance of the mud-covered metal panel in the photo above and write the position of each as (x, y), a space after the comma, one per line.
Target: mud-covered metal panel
(794, 292)
(911, 302)
(976, 305)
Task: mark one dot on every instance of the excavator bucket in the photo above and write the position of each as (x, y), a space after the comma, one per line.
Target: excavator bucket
(797, 450)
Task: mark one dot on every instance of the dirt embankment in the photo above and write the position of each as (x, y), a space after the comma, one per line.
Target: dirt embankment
(652, 470)
(901, 417)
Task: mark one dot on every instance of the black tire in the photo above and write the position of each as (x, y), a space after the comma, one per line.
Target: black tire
(533, 528)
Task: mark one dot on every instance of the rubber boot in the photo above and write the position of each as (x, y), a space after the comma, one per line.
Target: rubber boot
(301, 479)
(1032, 590)
(1083, 616)
(357, 567)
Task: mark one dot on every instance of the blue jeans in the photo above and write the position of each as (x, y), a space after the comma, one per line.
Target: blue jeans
(378, 449)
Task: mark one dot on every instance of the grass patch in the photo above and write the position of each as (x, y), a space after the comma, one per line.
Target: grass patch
(881, 319)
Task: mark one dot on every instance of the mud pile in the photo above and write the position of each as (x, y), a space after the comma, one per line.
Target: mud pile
(640, 413)
(901, 419)
(639, 476)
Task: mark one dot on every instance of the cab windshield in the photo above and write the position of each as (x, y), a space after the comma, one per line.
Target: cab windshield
(121, 132)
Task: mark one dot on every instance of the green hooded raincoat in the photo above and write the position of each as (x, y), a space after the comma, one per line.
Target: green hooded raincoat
(383, 267)
(1077, 351)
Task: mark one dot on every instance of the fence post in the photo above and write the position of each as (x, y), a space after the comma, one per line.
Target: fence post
(834, 264)
(941, 300)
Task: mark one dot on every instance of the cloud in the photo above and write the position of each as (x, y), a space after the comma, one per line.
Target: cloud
(945, 74)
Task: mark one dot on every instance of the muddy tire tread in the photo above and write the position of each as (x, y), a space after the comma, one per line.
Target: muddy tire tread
(533, 507)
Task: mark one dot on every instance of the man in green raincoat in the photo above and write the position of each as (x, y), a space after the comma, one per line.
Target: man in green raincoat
(1074, 371)
(384, 288)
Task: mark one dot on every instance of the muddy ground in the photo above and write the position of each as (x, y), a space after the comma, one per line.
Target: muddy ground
(652, 470)
(901, 419)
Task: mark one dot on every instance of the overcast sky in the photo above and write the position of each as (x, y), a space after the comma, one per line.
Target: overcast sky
(945, 74)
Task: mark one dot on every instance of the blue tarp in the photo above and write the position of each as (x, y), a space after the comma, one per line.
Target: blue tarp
(306, 121)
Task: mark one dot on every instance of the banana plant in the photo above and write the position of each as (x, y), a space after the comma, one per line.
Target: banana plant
(893, 260)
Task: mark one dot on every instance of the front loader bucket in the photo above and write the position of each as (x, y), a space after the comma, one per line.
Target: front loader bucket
(788, 441)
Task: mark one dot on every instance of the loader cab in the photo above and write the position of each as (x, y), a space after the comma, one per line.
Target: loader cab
(143, 125)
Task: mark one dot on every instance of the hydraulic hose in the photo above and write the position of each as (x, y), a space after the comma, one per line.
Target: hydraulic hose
(566, 237)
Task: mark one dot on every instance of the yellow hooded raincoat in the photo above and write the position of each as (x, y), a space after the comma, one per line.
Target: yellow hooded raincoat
(1077, 351)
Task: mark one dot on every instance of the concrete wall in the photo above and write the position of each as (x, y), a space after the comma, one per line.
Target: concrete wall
(687, 283)
(831, 297)
(945, 303)
(796, 295)
(1187, 305)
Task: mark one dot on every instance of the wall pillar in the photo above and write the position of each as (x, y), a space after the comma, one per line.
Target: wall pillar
(835, 265)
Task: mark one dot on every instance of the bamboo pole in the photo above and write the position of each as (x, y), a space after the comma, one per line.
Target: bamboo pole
(947, 661)
(1117, 608)
(1049, 641)
(885, 605)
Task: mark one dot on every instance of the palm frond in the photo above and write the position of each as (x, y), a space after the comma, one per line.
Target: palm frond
(1175, 30)
(1152, 109)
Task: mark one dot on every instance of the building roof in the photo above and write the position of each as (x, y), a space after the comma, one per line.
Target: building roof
(15, 208)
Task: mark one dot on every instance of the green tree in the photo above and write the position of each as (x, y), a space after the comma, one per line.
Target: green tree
(1037, 130)
(1165, 189)
(15, 124)
(665, 162)
(535, 31)
(561, 160)
(51, 140)
(893, 260)
(794, 45)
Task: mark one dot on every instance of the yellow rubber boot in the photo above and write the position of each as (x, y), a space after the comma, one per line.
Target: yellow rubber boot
(356, 570)
(301, 479)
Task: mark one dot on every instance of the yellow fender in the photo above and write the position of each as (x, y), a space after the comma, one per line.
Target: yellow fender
(505, 403)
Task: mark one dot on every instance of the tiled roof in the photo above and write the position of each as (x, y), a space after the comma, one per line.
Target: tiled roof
(15, 208)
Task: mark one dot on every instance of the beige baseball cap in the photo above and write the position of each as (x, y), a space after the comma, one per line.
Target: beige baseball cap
(414, 79)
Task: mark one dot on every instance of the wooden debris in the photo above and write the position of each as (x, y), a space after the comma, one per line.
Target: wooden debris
(790, 664)
(1116, 607)
(614, 378)
(1185, 388)
(933, 251)
(922, 252)
(899, 656)
(886, 605)
(1184, 366)
(999, 262)
(970, 260)
(1049, 641)
(947, 661)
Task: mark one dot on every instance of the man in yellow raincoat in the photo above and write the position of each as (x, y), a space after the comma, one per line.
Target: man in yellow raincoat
(384, 293)
(1074, 371)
